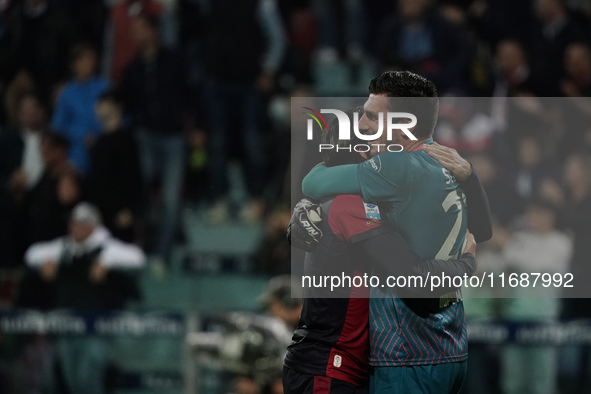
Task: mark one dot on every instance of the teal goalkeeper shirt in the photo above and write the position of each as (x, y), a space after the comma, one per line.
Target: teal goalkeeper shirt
(427, 207)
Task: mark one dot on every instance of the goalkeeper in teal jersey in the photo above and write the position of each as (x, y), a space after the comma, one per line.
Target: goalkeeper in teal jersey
(426, 205)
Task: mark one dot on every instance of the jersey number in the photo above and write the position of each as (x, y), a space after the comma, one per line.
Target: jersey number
(452, 199)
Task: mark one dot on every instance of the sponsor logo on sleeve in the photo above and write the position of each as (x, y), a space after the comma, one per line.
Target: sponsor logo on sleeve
(375, 163)
(372, 211)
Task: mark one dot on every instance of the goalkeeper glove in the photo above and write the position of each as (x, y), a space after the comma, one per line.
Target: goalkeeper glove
(304, 227)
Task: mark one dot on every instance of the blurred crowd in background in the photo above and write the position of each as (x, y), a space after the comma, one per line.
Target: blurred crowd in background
(139, 108)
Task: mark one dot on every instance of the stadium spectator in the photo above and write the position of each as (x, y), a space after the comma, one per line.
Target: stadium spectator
(498, 189)
(576, 216)
(74, 114)
(576, 110)
(196, 182)
(120, 47)
(498, 20)
(548, 42)
(38, 37)
(21, 83)
(532, 170)
(462, 127)
(274, 254)
(155, 89)
(511, 77)
(114, 181)
(302, 31)
(348, 35)
(278, 301)
(577, 63)
(43, 212)
(21, 164)
(511, 70)
(86, 266)
(574, 198)
(21, 167)
(421, 40)
(540, 248)
(453, 13)
(244, 44)
(89, 17)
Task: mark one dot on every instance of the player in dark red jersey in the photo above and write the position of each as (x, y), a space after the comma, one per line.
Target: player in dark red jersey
(330, 347)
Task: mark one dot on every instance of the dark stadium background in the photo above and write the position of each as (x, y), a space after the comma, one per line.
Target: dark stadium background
(215, 107)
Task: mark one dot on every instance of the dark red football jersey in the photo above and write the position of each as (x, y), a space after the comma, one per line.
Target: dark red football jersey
(332, 338)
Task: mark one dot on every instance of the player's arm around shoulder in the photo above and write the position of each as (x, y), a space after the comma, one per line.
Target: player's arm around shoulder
(479, 217)
(386, 177)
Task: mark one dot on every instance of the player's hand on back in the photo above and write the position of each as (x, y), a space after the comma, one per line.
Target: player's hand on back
(470, 244)
(304, 231)
(450, 159)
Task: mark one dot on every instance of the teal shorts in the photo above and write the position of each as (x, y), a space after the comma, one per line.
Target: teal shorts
(425, 379)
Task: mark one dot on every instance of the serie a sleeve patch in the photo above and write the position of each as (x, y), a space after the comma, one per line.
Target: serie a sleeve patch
(371, 211)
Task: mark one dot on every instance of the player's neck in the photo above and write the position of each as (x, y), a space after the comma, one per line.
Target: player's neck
(410, 145)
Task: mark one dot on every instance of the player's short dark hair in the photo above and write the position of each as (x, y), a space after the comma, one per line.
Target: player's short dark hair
(57, 140)
(334, 157)
(411, 93)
